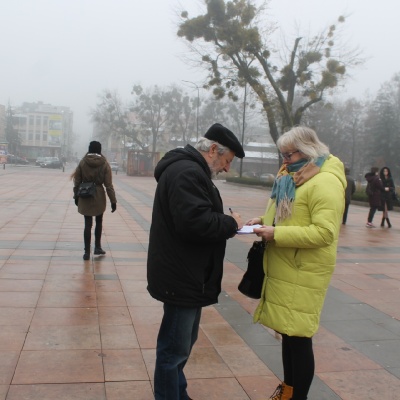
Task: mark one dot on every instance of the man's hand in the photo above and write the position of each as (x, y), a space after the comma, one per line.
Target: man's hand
(238, 219)
(113, 207)
(76, 201)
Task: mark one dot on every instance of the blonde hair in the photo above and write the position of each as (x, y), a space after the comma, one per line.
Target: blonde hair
(305, 140)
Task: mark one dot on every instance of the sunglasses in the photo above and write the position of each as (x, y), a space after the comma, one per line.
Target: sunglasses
(287, 156)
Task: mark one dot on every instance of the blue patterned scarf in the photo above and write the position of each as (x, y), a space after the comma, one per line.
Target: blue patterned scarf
(284, 188)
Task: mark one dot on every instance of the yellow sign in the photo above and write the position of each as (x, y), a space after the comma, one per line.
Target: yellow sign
(55, 130)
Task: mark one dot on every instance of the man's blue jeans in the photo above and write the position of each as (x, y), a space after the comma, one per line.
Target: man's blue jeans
(178, 333)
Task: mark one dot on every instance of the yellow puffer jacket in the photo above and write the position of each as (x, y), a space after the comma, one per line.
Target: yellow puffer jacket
(299, 262)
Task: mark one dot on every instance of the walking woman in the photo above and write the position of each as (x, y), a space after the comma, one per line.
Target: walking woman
(301, 227)
(374, 189)
(387, 195)
(94, 167)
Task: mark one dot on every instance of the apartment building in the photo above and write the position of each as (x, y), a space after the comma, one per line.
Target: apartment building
(44, 130)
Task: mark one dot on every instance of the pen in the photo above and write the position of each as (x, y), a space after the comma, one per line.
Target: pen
(230, 209)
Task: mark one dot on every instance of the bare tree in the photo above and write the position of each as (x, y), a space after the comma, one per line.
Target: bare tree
(232, 42)
(112, 118)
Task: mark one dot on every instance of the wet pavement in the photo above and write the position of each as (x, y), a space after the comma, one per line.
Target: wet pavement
(86, 330)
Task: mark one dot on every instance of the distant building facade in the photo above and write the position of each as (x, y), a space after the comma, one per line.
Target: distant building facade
(261, 157)
(44, 130)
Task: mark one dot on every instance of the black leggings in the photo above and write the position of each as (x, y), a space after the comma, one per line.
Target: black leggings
(87, 233)
(298, 364)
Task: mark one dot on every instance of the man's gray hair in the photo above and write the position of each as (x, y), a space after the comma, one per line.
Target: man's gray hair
(205, 144)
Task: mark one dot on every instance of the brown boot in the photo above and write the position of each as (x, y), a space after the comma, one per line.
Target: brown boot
(282, 392)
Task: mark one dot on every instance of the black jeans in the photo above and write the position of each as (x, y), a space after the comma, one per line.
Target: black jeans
(371, 213)
(87, 233)
(298, 364)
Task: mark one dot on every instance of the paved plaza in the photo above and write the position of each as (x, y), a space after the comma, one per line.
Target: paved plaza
(86, 330)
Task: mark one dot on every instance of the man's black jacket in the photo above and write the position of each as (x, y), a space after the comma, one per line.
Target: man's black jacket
(188, 232)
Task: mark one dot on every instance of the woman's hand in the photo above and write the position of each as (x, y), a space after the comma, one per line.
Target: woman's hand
(265, 232)
(254, 221)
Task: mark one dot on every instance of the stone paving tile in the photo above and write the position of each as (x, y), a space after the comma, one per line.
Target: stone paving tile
(58, 366)
(68, 330)
(138, 390)
(79, 391)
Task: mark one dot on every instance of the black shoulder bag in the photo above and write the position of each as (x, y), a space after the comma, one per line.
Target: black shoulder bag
(87, 189)
(252, 281)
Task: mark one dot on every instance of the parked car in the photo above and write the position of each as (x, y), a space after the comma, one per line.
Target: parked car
(11, 159)
(51, 162)
(114, 166)
(40, 160)
(268, 178)
(250, 174)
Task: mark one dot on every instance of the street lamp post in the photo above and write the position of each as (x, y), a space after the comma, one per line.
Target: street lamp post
(243, 124)
(197, 109)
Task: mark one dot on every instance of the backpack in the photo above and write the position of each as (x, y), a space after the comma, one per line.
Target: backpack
(369, 190)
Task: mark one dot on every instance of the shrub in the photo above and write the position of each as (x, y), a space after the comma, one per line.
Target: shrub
(248, 181)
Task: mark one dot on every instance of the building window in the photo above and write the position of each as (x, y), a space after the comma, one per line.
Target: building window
(37, 137)
(22, 121)
(31, 120)
(44, 137)
(30, 136)
(38, 120)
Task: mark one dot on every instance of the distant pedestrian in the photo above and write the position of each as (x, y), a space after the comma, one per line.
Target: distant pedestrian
(387, 196)
(373, 190)
(94, 167)
(350, 189)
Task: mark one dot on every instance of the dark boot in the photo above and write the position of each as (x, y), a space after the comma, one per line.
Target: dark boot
(388, 222)
(99, 251)
(97, 236)
(86, 256)
(383, 222)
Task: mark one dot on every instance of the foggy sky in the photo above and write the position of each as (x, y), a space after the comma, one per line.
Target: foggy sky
(65, 52)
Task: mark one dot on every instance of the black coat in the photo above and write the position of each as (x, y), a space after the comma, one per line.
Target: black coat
(350, 189)
(188, 232)
(376, 186)
(387, 197)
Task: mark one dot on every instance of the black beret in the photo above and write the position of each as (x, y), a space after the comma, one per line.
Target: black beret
(224, 136)
(94, 147)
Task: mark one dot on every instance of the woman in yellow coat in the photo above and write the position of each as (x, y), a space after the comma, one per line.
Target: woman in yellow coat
(301, 226)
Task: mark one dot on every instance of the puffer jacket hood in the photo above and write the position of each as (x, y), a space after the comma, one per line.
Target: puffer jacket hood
(187, 153)
(94, 160)
(334, 166)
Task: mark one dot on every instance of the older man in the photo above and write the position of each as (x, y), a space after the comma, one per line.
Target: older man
(186, 249)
